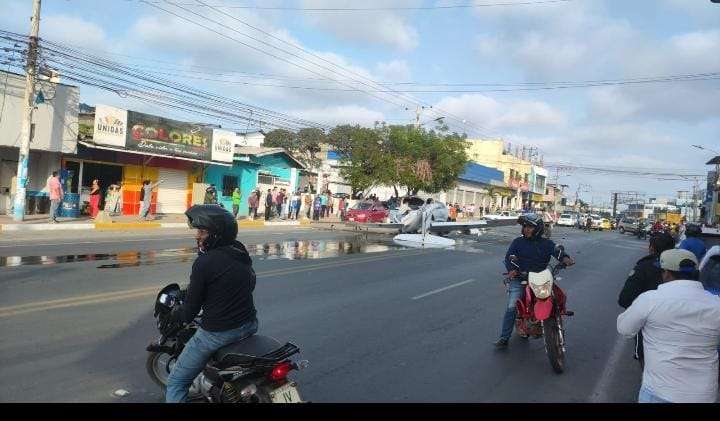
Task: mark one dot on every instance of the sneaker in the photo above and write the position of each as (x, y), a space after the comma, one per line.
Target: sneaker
(501, 343)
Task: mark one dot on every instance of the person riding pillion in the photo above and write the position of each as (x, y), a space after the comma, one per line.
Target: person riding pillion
(221, 284)
(533, 253)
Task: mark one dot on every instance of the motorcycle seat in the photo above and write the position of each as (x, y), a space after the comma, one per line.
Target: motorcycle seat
(245, 351)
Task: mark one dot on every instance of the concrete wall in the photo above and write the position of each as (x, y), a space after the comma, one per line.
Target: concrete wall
(56, 121)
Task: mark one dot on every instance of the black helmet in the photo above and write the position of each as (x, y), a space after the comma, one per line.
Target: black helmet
(533, 220)
(217, 221)
(693, 230)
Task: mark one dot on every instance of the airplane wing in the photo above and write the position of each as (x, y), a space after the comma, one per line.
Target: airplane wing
(375, 225)
(460, 226)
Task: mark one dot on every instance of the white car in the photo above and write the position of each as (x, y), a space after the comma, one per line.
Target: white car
(566, 220)
(506, 215)
(596, 222)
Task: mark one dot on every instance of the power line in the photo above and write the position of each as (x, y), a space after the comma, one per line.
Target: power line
(369, 9)
(464, 122)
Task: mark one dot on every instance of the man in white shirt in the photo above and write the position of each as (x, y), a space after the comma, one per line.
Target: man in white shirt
(680, 322)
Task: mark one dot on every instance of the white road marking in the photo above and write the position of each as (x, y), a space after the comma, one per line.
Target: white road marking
(601, 389)
(443, 289)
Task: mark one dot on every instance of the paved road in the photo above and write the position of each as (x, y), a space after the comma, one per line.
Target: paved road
(378, 324)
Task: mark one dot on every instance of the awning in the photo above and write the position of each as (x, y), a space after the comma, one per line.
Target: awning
(537, 197)
(107, 148)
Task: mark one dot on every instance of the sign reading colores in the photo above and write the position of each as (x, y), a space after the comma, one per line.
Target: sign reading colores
(110, 126)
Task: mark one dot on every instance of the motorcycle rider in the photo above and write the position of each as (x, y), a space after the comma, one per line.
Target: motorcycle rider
(221, 283)
(692, 242)
(645, 276)
(533, 254)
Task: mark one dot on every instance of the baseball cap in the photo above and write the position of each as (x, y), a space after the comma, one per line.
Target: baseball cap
(678, 260)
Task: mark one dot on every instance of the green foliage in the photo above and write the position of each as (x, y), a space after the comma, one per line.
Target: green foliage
(399, 156)
(303, 145)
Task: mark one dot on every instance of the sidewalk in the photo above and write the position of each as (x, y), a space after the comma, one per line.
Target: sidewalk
(120, 222)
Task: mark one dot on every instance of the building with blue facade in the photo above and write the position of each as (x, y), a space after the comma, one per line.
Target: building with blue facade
(254, 167)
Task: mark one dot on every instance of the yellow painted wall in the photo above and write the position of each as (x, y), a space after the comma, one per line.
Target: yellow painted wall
(489, 153)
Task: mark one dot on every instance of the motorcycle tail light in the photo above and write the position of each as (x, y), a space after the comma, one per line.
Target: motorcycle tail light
(542, 291)
(280, 371)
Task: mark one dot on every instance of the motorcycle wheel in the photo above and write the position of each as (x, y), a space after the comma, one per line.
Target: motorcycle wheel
(157, 368)
(554, 344)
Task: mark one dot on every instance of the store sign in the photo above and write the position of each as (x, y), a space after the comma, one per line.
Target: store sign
(223, 145)
(110, 126)
(157, 135)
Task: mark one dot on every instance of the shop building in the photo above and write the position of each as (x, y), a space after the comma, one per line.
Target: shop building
(129, 147)
(54, 133)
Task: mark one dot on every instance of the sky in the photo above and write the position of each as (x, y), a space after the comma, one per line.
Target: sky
(624, 126)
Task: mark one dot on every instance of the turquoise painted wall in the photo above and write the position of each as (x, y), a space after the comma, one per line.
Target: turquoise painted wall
(279, 166)
(247, 179)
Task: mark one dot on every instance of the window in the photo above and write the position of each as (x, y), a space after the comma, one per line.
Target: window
(266, 179)
(229, 184)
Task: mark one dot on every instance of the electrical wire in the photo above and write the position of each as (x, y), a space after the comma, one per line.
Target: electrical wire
(373, 9)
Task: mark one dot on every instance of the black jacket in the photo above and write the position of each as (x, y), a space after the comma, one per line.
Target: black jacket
(222, 282)
(646, 276)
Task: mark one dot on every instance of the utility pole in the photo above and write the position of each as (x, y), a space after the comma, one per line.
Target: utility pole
(29, 103)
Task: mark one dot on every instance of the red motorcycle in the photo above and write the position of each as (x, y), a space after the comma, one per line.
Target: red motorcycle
(541, 309)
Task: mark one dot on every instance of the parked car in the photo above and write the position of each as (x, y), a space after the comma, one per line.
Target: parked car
(605, 224)
(502, 215)
(628, 225)
(566, 220)
(367, 212)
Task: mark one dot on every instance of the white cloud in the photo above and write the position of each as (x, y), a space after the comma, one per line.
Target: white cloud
(506, 116)
(74, 30)
(377, 27)
(394, 71)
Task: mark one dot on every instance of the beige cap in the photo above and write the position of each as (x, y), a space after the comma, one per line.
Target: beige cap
(675, 260)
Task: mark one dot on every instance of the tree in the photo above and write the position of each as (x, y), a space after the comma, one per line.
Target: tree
(399, 156)
(303, 145)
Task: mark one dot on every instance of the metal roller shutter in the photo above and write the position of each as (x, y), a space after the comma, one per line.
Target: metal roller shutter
(172, 193)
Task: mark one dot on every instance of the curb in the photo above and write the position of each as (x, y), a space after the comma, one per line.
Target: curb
(123, 226)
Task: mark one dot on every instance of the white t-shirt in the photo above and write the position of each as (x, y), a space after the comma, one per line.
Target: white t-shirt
(680, 322)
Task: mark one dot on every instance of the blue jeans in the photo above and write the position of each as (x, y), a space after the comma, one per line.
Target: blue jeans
(648, 396)
(515, 291)
(196, 354)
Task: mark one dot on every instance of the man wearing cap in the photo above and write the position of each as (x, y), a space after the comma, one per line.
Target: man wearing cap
(680, 322)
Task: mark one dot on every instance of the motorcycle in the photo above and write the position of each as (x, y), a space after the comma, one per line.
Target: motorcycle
(252, 370)
(642, 231)
(541, 309)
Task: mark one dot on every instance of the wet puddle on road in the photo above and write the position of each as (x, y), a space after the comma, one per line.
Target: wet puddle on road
(290, 250)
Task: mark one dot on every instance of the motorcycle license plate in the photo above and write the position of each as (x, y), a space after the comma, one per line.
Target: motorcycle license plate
(287, 393)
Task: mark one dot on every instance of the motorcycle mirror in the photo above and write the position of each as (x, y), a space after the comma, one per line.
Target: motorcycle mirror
(513, 258)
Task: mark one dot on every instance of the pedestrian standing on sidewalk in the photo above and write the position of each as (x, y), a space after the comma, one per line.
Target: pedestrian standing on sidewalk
(280, 202)
(146, 197)
(56, 194)
(317, 208)
(307, 197)
(252, 206)
(268, 204)
(323, 205)
(236, 197)
(680, 322)
(94, 199)
(331, 203)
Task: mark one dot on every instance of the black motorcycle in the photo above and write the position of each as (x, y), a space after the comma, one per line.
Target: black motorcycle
(254, 369)
(641, 232)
